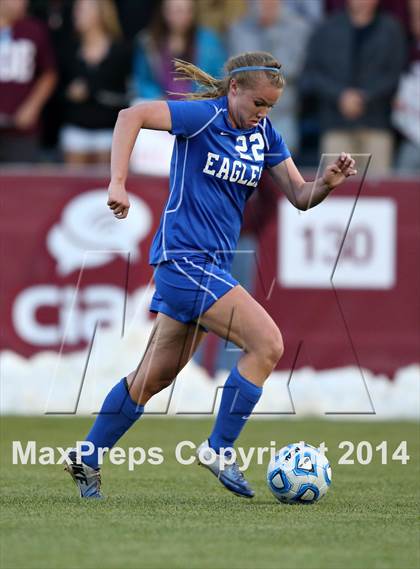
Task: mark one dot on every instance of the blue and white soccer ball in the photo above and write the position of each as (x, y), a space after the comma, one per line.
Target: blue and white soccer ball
(299, 473)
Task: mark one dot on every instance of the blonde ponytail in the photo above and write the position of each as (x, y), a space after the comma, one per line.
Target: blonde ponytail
(212, 88)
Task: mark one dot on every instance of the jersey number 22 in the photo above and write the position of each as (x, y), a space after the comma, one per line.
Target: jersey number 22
(257, 144)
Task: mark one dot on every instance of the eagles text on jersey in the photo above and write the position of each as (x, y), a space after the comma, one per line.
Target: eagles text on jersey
(214, 170)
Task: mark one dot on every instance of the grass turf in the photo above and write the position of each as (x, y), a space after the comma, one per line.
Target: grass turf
(178, 516)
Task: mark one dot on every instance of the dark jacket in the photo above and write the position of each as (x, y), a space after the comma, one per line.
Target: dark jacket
(106, 82)
(341, 56)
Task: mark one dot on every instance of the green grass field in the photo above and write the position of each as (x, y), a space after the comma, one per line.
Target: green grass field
(179, 516)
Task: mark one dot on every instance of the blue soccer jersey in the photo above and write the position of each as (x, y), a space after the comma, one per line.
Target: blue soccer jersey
(214, 170)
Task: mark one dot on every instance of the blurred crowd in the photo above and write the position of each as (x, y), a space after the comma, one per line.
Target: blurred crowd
(352, 69)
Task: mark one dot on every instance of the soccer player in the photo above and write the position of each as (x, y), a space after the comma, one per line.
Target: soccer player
(224, 139)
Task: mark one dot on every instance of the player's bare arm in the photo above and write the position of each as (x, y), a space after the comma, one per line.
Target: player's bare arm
(153, 115)
(304, 195)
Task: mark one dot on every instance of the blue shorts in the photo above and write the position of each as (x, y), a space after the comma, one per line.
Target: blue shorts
(188, 286)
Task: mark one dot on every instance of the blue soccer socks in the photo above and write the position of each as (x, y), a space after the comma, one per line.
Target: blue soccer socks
(238, 401)
(118, 413)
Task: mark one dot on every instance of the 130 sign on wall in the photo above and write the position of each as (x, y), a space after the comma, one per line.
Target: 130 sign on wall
(318, 244)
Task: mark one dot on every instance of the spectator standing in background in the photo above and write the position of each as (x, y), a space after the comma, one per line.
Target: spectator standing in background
(56, 15)
(220, 14)
(94, 74)
(173, 33)
(27, 79)
(354, 62)
(396, 8)
(310, 10)
(270, 25)
(134, 16)
(406, 115)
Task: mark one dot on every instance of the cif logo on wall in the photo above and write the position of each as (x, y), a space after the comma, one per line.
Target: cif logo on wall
(86, 237)
(89, 236)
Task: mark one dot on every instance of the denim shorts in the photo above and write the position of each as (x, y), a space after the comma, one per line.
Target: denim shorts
(188, 286)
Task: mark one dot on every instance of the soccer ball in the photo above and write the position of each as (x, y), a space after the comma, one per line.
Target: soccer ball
(299, 473)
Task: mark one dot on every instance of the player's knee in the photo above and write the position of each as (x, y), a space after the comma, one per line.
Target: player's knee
(152, 385)
(271, 348)
(158, 384)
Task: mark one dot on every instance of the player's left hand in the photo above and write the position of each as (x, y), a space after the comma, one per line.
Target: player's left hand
(342, 168)
(118, 200)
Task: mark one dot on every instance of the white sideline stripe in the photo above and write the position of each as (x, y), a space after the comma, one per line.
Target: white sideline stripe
(262, 127)
(193, 280)
(182, 182)
(181, 195)
(207, 272)
(169, 200)
(207, 124)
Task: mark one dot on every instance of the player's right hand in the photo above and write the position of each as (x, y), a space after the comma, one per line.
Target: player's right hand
(118, 200)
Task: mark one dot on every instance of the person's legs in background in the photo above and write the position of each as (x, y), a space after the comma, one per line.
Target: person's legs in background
(336, 141)
(85, 146)
(408, 159)
(378, 143)
(15, 148)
